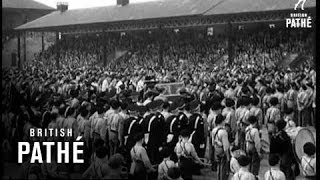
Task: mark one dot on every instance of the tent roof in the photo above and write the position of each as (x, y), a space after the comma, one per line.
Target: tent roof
(25, 4)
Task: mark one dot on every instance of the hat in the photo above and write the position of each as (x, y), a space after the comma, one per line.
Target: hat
(281, 124)
(212, 88)
(127, 93)
(216, 105)
(175, 105)
(142, 109)
(194, 104)
(116, 161)
(243, 160)
(155, 104)
(133, 108)
(111, 93)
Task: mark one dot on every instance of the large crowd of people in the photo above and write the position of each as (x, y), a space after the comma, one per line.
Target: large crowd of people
(132, 130)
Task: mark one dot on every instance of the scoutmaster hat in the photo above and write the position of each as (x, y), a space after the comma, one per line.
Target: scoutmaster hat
(155, 104)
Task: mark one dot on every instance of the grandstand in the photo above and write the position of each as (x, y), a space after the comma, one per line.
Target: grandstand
(14, 14)
(159, 16)
(188, 51)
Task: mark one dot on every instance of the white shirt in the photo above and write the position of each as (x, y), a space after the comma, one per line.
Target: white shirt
(274, 174)
(243, 174)
(234, 165)
(140, 85)
(252, 135)
(118, 86)
(164, 167)
(105, 85)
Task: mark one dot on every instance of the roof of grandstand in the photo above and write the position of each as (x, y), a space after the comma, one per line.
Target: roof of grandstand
(243, 6)
(156, 10)
(24, 4)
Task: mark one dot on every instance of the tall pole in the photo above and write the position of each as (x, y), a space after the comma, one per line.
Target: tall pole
(42, 41)
(24, 46)
(104, 49)
(19, 61)
(57, 50)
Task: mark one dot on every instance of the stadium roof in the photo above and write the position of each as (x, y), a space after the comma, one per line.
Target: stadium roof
(156, 10)
(25, 4)
(241, 6)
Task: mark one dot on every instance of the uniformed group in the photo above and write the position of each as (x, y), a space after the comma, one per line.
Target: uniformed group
(168, 137)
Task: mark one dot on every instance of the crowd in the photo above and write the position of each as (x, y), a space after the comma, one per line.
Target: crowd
(132, 130)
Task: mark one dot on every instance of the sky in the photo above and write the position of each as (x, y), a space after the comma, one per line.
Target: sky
(76, 4)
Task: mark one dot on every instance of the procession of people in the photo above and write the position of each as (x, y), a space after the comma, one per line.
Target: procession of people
(132, 130)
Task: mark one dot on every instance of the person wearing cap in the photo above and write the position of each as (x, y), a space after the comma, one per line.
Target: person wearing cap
(70, 123)
(196, 125)
(141, 165)
(115, 167)
(308, 161)
(165, 112)
(215, 109)
(61, 116)
(235, 152)
(166, 164)
(189, 161)
(98, 125)
(280, 95)
(221, 147)
(289, 118)
(230, 121)
(124, 114)
(280, 143)
(131, 127)
(174, 173)
(154, 129)
(307, 111)
(256, 111)
(172, 128)
(213, 113)
(290, 97)
(242, 114)
(243, 173)
(266, 100)
(274, 173)
(114, 124)
(253, 145)
(272, 115)
(75, 102)
(84, 124)
(105, 83)
(302, 101)
(99, 167)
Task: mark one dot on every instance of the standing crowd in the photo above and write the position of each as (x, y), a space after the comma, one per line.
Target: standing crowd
(132, 130)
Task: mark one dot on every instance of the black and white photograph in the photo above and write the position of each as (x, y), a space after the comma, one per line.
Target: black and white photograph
(158, 89)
